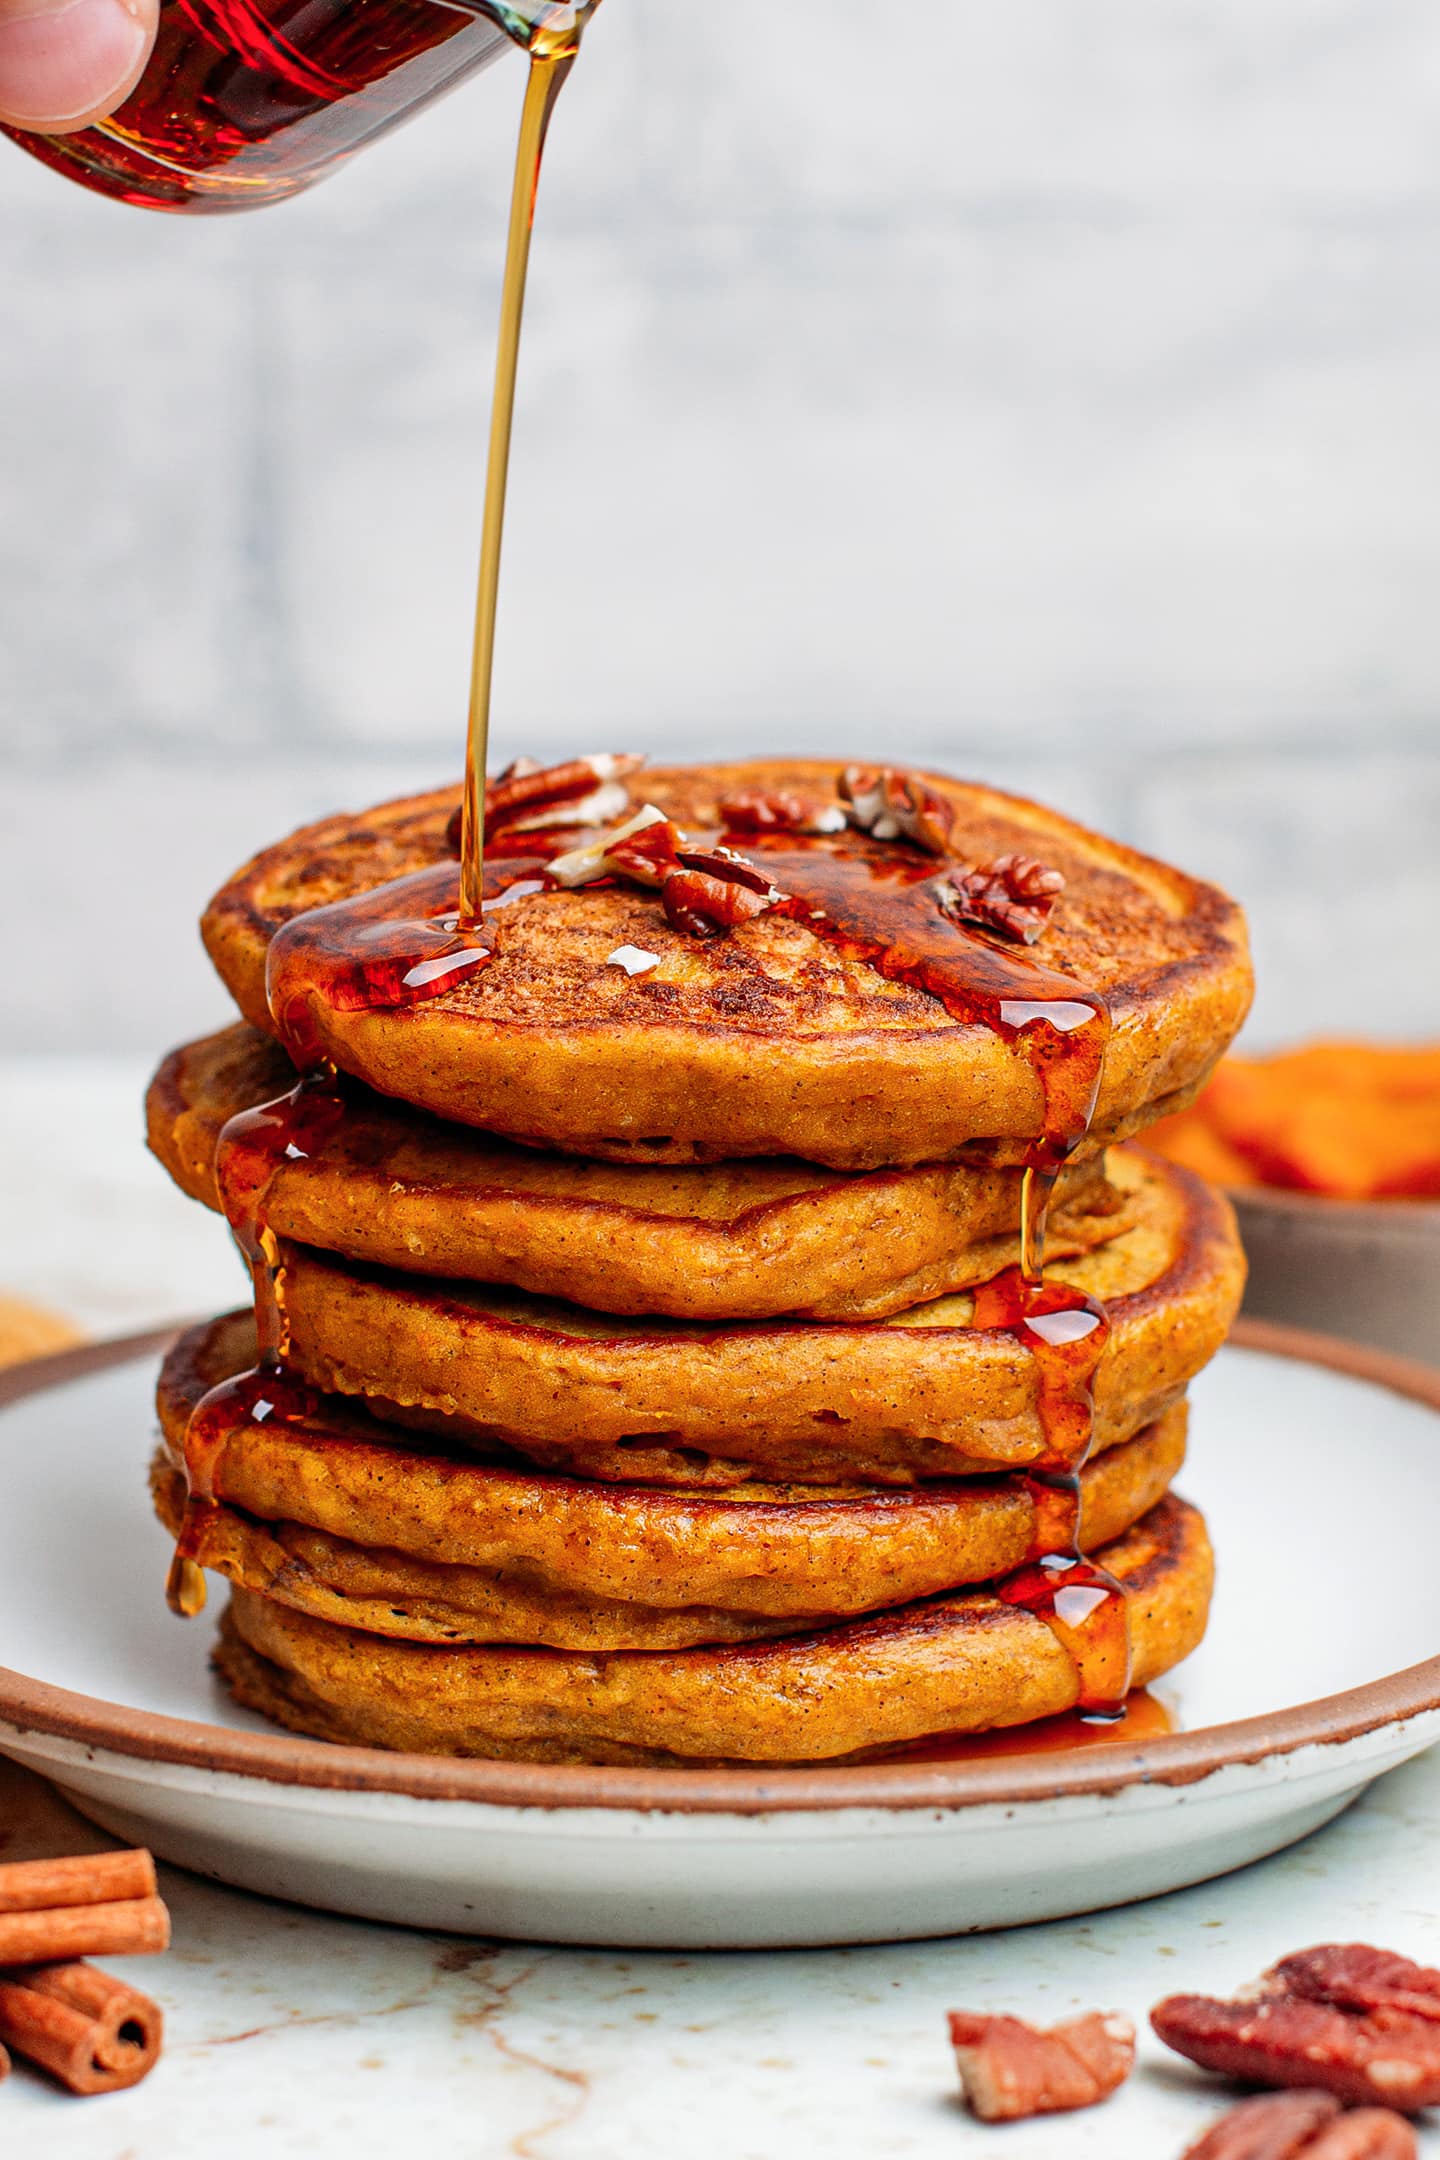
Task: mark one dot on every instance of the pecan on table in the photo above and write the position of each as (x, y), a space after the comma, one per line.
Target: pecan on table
(1010, 2070)
(1305, 2126)
(1012, 895)
(1343, 2018)
(1352, 1976)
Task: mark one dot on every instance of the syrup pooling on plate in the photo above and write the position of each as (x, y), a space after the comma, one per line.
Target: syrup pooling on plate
(1142, 1717)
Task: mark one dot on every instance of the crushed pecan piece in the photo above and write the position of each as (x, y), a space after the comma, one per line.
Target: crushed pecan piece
(1340, 2017)
(703, 890)
(784, 812)
(583, 865)
(1305, 2126)
(531, 797)
(894, 805)
(1010, 2070)
(703, 906)
(583, 791)
(648, 856)
(1012, 895)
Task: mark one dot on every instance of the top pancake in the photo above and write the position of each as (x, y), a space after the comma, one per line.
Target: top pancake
(764, 1041)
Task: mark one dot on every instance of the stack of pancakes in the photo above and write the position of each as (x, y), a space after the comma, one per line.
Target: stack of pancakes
(628, 1405)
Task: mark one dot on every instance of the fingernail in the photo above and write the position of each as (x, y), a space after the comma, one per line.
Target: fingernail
(61, 61)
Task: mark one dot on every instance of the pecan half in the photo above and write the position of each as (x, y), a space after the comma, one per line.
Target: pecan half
(703, 906)
(531, 797)
(1010, 2070)
(583, 865)
(1012, 895)
(583, 791)
(1304, 2126)
(785, 811)
(1365, 2134)
(1355, 1977)
(894, 805)
(1383, 2056)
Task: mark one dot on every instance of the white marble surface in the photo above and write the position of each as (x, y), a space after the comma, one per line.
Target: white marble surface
(90, 1225)
(292, 2034)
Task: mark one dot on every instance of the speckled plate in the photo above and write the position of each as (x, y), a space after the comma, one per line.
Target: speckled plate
(1317, 1463)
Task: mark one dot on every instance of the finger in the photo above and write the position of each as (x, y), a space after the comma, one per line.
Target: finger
(64, 63)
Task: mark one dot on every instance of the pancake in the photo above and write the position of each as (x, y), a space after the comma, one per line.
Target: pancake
(342, 1518)
(954, 1664)
(765, 1041)
(745, 1240)
(922, 1395)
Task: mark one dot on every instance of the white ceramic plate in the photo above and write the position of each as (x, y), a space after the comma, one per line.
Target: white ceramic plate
(1319, 1468)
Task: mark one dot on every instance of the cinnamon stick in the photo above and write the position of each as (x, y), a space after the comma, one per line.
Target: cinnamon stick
(103, 1878)
(125, 1928)
(88, 2030)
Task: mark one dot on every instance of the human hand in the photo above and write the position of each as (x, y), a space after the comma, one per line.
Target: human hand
(65, 63)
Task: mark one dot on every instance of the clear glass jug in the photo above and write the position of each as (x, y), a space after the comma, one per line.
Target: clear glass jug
(245, 102)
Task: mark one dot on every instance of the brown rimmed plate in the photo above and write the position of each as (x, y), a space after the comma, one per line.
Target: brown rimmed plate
(1318, 1464)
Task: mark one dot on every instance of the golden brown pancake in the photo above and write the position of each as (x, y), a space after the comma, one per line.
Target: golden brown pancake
(952, 1664)
(922, 1395)
(765, 1041)
(345, 1519)
(744, 1240)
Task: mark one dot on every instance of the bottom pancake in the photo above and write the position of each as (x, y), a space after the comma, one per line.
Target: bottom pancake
(951, 1664)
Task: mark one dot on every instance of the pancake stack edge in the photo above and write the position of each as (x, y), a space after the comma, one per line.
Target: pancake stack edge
(579, 1452)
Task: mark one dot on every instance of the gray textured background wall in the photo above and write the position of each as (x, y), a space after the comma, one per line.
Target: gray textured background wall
(1051, 391)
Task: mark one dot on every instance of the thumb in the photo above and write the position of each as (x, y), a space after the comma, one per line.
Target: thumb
(64, 63)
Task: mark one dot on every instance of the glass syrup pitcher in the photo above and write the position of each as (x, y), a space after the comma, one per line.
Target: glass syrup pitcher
(245, 102)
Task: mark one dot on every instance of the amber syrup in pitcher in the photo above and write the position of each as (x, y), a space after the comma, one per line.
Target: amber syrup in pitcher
(245, 102)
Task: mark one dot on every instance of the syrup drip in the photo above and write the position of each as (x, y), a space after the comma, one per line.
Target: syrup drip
(1065, 1333)
(252, 1150)
(882, 909)
(877, 904)
(398, 944)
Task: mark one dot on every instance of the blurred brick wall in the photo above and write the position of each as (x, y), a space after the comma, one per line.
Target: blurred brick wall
(1053, 392)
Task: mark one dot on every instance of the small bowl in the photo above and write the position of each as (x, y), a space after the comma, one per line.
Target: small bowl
(1365, 1269)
